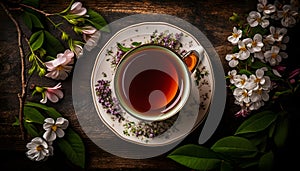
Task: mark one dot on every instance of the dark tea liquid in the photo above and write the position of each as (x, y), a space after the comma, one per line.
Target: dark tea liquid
(152, 90)
(151, 81)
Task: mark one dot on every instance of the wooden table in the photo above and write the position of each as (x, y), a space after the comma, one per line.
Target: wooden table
(211, 17)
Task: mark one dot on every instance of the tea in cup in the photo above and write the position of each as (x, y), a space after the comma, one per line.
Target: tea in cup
(153, 82)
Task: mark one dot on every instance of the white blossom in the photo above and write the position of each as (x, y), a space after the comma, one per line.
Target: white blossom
(264, 7)
(39, 149)
(254, 19)
(233, 59)
(256, 44)
(235, 37)
(277, 34)
(256, 105)
(274, 56)
(240, 80)
(54, 128)
(231, 75)
(243, 53)
(242, 95)
(287, 16)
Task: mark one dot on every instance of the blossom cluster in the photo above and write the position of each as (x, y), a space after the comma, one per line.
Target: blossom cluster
(148, 130)
(164, 38)
(109, 103)
(167, 39)
(41, 147)
(259, 42)
(60, 67)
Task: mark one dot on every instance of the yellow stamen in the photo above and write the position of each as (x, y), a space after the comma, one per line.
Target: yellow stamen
(243, 49)
(235, 35)
(245, 94)
(54, 128)
(259, 20)
(59, 68)
(276, 36)
(274, 55)
(243, 81)
(39, 148)
(234, 57)
(259, 91)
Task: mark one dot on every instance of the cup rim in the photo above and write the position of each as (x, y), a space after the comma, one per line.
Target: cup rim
(186, 89)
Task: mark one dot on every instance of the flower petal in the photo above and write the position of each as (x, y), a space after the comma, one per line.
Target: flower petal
(49, 135)
(49, 120)
(52, 97)
(44, 100)
(60, 133)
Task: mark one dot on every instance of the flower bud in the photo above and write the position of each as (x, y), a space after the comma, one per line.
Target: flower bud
(39, 89)
(73, 21)
(77, 30)
(64, 36)
(42, 72)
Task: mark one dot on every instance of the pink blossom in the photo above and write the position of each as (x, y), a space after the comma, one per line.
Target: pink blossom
(243, 112)
(278, 70)
(60, 67)
(91, 40)
(88, 30)
(77, 9)
(52, 93)
(293, 74)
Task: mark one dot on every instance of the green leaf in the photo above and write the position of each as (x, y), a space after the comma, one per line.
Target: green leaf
(97, 20)
(281, 132)
(196, 157)
(32, 21)
(246, 163)
(72, 146)
(36, 40)
(273, 76)
(258, 65)
(246, 72)
(123, 48)
(236, 147)
(256, 123)
(266, 162)
(235, 49)
(33, 115)
(226, 166)
(257, 30)
(52, 112)
(31, 129)
(136, 43)
(52, 45)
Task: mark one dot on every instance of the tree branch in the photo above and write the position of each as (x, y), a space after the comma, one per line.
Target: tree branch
(37, 10)
(22, 94)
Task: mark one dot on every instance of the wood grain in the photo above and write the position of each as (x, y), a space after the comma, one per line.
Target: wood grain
(211, 17)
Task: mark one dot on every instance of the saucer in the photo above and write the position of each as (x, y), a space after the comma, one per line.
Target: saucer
(124, 125)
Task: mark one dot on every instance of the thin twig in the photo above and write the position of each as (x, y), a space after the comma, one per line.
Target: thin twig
(21, 95)
(37, 10)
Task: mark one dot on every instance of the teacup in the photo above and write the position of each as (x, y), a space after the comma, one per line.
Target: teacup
(153, 82)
